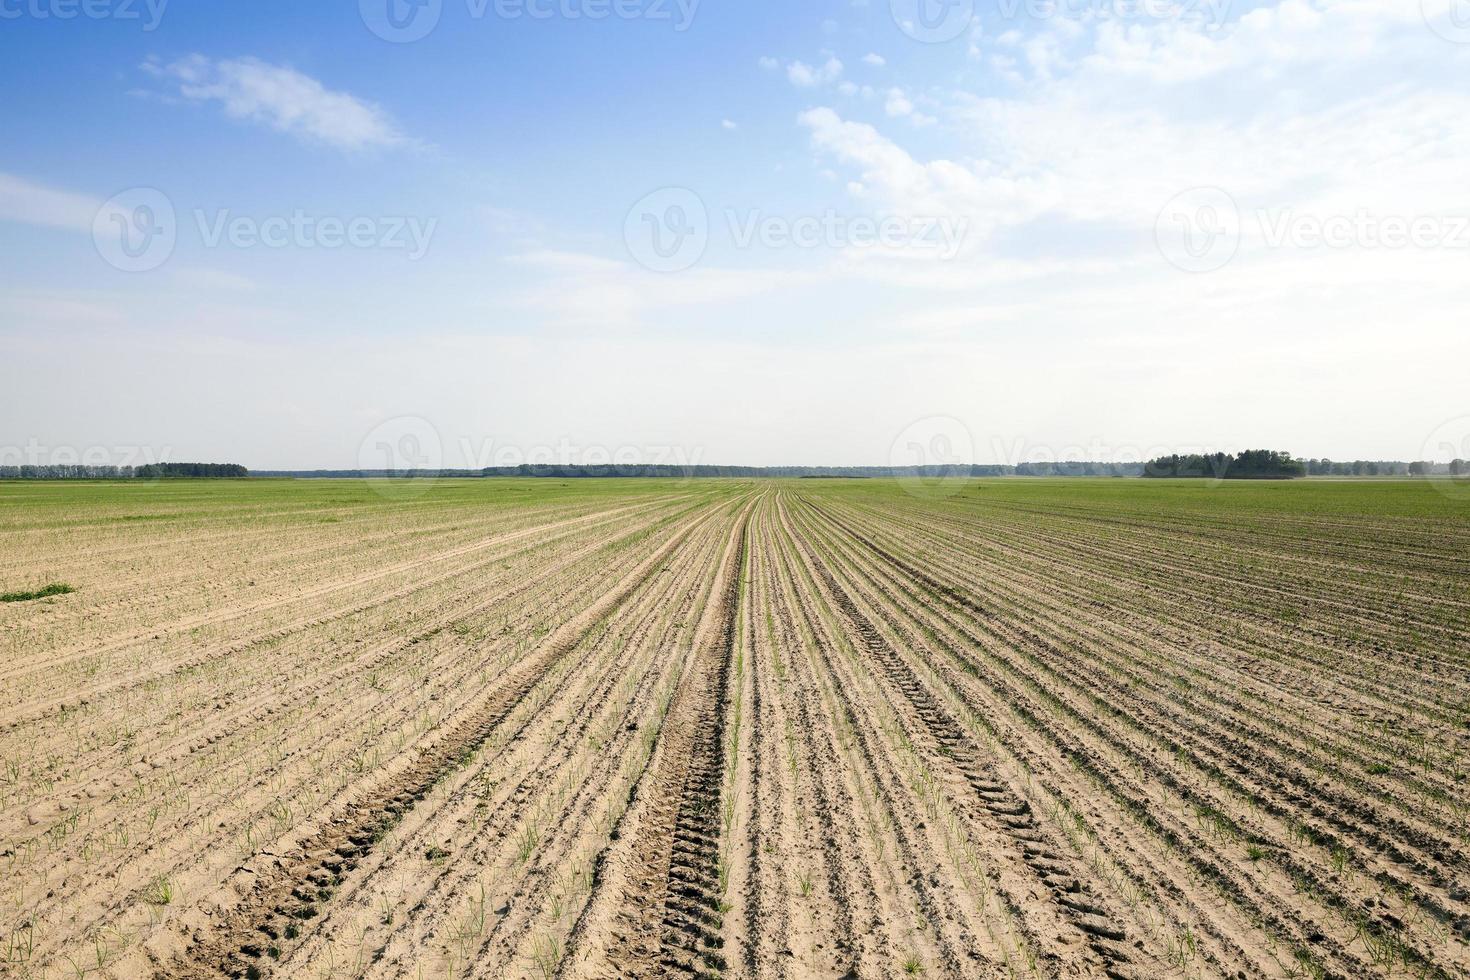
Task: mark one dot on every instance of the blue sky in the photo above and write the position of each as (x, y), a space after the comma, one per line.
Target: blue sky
(1098, 228)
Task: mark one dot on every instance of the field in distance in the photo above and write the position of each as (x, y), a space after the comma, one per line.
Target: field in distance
(585, 729)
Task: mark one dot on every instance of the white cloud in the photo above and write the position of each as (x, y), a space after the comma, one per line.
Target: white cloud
(283, 99)
(903, 183)
(1068, 140)
(803, 75)
(1063, 158)
(1263, 41)
(898, 104)
(875, 60)
(1083, 140)
(729, 124)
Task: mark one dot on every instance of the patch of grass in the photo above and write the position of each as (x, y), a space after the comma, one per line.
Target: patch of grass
(546, 955)
(526, 843)
(160, 892)
(55, 588)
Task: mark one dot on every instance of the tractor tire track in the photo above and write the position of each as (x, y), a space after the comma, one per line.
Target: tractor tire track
(286, 892)
(671, 920)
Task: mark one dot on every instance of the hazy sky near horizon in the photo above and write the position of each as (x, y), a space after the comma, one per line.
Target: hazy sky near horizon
(329, 235)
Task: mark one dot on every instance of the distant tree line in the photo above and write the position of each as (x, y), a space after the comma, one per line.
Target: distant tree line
(563, 471)
(191, 471)
(1381, 467)
(150, 471)
(367, 474)
(1249, 465)
(66, 472)
(575, 472)
(1078, 469)
(1252, 464)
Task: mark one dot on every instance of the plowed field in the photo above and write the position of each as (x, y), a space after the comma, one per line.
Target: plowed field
(813, 728)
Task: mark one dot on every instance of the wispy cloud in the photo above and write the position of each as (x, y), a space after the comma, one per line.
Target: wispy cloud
(898, 103)
(576, 289)
(803, 75)
(35, 204)
(1079, 139)
(282, 98)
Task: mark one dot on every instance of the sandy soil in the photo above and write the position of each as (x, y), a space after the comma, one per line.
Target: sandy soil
(722, 729)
